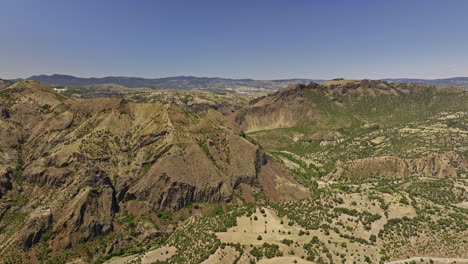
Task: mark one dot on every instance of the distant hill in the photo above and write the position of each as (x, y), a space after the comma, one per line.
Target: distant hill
(179, 83)
(456, 81)
(214, 84)
(5, 83)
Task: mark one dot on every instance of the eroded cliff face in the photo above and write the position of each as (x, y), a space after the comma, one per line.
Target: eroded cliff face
(108, 170)
(330, 101)
(89, 210)
(362, 129)
(441, 165)
(76, 165)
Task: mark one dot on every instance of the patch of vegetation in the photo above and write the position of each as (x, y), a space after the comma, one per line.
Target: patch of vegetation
(266, 250)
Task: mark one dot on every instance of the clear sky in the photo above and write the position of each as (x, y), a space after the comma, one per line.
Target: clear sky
(268, 39)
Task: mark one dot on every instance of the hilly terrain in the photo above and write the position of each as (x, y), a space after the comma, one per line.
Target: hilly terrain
(351, 130)
(78, 87)
(92, 87)
(175, 83)
(456, 81)
(344, 171)
(73, 171)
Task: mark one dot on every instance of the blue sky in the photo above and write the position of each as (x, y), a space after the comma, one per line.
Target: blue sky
(238, 39)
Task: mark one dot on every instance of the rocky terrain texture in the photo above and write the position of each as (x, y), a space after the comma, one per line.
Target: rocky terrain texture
(74, 168)
(88, 180)
(374, 222)
(358, 130)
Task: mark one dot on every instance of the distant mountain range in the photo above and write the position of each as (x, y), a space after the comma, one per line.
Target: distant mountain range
(179, 82)
(456, 81)
(213, 84)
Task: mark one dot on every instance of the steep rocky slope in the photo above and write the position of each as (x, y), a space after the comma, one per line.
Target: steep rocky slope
(387, 166)
(355, 130)
(72, 170)
(86, 180)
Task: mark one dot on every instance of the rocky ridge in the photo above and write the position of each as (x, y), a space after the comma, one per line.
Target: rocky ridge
(71, 167)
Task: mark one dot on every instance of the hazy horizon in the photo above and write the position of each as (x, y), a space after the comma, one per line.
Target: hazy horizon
(260, 40)
(224, 77)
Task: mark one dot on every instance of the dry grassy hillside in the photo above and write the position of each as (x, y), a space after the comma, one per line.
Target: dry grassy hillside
(339, 172)
(357, 130)
(102, 170)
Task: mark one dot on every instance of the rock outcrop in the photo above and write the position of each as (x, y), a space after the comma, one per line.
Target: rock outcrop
(85, 161)
(36, 225)
(5, 181)
(390, 167)
(90, 211)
